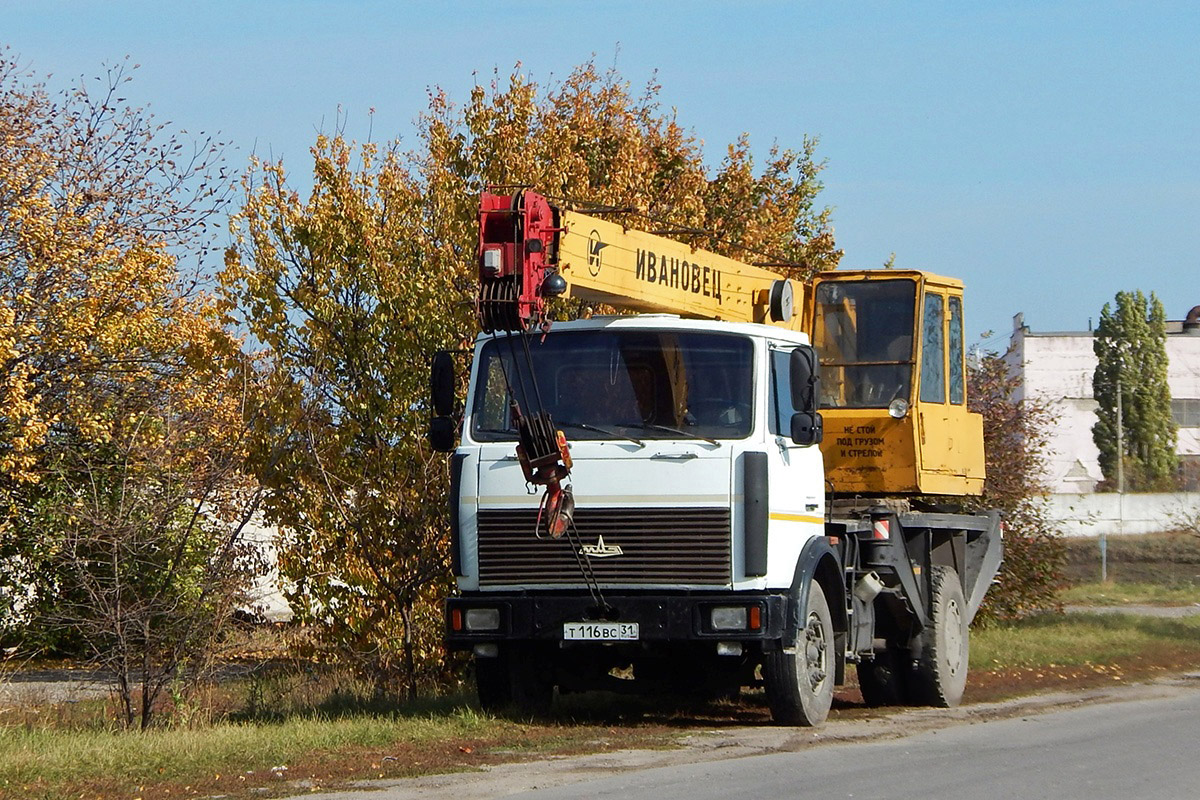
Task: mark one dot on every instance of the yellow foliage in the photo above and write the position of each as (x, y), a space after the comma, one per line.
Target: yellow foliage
(92, 304)
(120, 392)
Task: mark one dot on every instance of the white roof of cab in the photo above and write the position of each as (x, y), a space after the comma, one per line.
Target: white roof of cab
(673, 322)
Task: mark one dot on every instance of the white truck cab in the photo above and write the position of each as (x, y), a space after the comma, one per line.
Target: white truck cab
(665, 417)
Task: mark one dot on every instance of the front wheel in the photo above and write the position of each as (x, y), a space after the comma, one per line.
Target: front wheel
(800, 684)
(492, 682)
(517, 678)
(941, 674)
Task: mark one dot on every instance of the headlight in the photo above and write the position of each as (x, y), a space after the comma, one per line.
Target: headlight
(898, 408)
(729, 618)
(483, 619)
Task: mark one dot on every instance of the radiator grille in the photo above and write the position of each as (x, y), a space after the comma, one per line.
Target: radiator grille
(659, 545)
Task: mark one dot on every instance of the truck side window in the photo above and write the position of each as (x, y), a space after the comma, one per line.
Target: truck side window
(779, 421)
(492, 408)
(957, 393)
(933, 351)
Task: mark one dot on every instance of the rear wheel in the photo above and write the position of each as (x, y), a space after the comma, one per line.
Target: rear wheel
(941, 674)
(882, 680)
(800, 684)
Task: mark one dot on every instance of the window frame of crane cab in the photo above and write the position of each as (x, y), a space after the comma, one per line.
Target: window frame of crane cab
(936, 446)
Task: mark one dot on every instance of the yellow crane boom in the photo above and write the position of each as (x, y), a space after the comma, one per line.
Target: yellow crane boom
(605, 262)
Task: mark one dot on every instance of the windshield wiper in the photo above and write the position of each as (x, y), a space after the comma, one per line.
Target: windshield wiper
(606, 431)
(654, 426)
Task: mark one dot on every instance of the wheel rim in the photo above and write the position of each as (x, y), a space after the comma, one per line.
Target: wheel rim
(954, 637)
(815, 649)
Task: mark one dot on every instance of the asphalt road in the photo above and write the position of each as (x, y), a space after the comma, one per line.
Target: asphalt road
(1140, 741)
(1140, 749)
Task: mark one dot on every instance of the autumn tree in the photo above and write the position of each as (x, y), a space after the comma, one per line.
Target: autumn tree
(1130, 382)
(122, 399)
(341, 292)
(150, 558)
(1016, 437)
(592, 142)
(350, 289)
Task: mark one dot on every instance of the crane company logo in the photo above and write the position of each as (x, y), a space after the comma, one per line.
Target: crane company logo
(675, 273)
(595, 256)
(601, 550)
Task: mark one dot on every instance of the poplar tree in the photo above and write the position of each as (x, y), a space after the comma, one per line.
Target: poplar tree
(1131, 354)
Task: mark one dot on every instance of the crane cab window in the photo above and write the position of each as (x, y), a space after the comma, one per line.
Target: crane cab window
(933, 351)
(958, 394)
(863, 335)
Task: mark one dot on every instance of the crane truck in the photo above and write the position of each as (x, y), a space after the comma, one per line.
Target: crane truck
(729, 488)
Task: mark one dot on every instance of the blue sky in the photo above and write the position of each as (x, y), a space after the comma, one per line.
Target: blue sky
(1047, 153)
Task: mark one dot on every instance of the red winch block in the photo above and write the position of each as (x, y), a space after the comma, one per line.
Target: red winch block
(517, 246)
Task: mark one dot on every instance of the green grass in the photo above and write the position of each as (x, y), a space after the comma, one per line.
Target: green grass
(328, 728)
(175, 754)
(1078, 639)
(1130, 593)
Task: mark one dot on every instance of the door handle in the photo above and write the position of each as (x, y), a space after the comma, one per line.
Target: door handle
(673, 456)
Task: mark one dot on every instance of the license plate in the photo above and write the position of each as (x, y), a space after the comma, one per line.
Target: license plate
(600, 631)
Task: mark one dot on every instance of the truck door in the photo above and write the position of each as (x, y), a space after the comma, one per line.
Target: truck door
(796, 476)
(942, 417)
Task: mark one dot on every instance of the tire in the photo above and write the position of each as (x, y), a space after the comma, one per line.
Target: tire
(492, 683)
(800, 685)
(516, 679)
(941, 674)
(883, 680)
(532, 681)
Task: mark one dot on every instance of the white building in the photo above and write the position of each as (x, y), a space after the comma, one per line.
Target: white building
(1058, 368)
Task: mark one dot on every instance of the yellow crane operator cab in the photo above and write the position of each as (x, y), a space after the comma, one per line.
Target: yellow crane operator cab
(893, 383)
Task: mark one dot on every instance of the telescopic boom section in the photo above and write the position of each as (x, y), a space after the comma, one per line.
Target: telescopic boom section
(530, 251)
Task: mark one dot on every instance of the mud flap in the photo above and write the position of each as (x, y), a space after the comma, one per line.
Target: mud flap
(985, 552)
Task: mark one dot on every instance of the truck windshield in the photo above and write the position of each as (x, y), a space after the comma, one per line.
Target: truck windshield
(864, 338)
(629, 385)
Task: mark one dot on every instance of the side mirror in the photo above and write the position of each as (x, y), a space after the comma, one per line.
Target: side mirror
(807, 428)
(443, 434)
(441, 384)
(805, 383)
